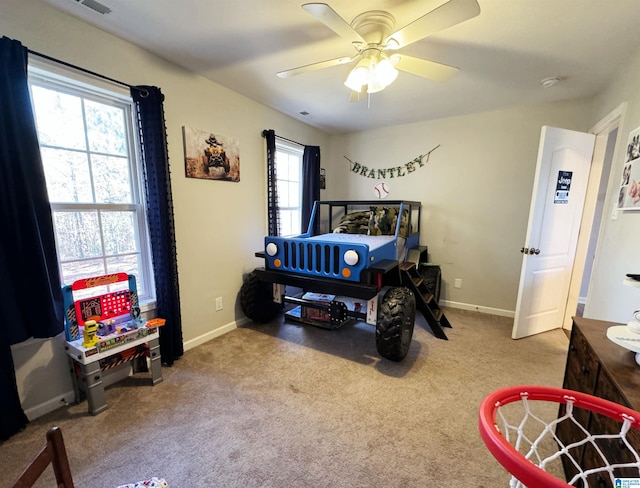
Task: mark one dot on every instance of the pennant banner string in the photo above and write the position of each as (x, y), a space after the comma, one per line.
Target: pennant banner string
(393, 172)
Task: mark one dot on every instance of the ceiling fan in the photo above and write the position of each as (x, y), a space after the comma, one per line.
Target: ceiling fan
(372, 35)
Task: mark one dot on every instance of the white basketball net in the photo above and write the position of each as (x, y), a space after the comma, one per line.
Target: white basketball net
(544, 448)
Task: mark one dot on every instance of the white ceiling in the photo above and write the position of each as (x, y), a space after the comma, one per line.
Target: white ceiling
(503, 53)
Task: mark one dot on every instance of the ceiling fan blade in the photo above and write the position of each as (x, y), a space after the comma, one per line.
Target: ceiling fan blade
(446, 15)
(333, 21)
(425, 68)
(315, 66)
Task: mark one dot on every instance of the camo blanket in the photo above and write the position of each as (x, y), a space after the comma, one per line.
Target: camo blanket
(377, 221)
(353, 223)
(383, 221)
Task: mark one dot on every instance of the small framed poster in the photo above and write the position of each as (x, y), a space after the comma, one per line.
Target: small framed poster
(563, 185)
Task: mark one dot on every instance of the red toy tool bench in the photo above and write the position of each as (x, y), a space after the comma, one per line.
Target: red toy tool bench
(103, 329)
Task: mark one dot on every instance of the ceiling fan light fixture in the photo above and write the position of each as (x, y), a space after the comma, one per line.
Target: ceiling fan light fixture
(376, 71)
(358, 77)
(385, 72)
(374, 85)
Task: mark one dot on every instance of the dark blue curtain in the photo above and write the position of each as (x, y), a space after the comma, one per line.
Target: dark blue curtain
(311, 185)
(272, 184)
(153, 137)
(31, 298)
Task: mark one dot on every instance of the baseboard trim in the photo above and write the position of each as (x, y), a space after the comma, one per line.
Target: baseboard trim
(242, 321)
(44, 408)
(478, 308)
(191, 343)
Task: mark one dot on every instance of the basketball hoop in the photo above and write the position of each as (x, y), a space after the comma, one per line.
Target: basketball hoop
(529, 446)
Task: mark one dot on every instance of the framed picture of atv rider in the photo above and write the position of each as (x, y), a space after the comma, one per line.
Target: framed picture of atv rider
(210, 156)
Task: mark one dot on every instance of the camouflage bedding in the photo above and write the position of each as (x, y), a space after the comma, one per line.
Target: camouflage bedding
(354, 223)
(383, 221)
(377, 221)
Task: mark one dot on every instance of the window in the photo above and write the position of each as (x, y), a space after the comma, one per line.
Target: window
(89, 154)
(289, 188)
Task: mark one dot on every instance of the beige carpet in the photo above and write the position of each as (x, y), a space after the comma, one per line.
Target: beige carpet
(286, 405)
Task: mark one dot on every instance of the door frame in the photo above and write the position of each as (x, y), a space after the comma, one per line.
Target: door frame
(601, 130)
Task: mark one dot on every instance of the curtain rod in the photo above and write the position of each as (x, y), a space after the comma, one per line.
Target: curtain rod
(264, 132)
(84, 70)
(289, 140)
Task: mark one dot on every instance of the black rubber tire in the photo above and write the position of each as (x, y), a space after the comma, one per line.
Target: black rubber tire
(256, 299)
(394, 327)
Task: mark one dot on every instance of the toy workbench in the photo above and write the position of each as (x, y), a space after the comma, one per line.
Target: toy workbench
(103, 329)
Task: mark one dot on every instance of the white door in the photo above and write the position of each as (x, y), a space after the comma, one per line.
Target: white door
(560, 185)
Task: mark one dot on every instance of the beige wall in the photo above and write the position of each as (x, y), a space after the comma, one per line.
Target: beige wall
(219, 225)
(475, 190)
(617, 253)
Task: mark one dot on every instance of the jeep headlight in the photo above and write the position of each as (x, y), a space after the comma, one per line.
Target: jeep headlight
(351, 257)
(272, 249)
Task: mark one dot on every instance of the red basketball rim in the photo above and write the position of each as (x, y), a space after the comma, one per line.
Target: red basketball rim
(513, 461)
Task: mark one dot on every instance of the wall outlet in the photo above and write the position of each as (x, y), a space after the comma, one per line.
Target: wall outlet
(218, 303)
(457, 283)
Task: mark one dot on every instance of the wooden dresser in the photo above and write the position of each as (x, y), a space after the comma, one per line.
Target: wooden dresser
(597, 366)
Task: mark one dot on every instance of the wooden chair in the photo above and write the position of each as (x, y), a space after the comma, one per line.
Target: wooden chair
(52, 453)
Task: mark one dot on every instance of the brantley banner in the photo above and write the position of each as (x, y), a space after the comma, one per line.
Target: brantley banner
(393, 172)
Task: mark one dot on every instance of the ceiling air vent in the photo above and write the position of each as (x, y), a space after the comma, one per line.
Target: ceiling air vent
(96, 6)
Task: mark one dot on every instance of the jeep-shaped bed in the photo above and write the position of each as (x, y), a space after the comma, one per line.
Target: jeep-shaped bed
(363, 257)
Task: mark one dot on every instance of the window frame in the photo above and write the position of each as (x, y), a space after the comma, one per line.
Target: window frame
(298, 151)
(48, 76)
